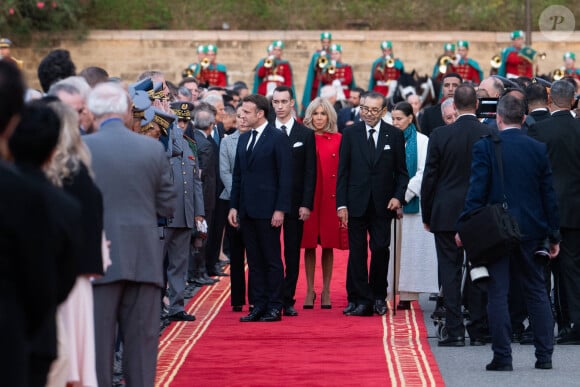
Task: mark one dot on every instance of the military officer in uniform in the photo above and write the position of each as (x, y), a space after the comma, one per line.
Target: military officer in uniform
(318, 61)
(467, 67)
(517, 60)
(338, 73)
(212, 73)
(5, 55)
(273, 71)
(385, 69)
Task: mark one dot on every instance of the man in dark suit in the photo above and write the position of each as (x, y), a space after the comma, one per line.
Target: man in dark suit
(431, 117)
(303, 184)
(445, 183)
(371, 185)
(561, 133)
(261, 195)
(537, 98)
(531, 199)
(351, 114)
(136, 189)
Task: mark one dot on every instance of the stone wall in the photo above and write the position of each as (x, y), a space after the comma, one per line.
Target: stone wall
(127, 53)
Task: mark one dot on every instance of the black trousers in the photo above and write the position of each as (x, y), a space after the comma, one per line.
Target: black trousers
(237, 261)
(364, 285)
(293, 229)
(570, 272)
(215, 232)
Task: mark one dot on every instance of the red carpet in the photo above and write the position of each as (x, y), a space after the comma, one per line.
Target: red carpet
(317, 348)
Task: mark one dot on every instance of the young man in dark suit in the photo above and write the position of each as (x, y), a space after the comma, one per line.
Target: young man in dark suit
(261, 195)
(303, 184)
(431, 117)
(561, 133)
(528, 190)
(371, 184)
(445, 183)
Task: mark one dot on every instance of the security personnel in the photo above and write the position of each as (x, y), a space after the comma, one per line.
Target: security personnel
(273, 71)
(517, 60)
(212, 73)
(570, 69)
(449, 52)
(318, 61)
(337, 73)
(385, 69)
(467, 67)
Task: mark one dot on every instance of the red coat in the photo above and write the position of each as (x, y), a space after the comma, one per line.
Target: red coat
(518, 66)
(323, 226)
(279, 75)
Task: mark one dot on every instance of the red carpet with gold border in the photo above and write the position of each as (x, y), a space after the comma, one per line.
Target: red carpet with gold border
(317, 348)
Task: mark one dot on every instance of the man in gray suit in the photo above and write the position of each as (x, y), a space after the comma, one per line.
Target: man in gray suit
(133, 174)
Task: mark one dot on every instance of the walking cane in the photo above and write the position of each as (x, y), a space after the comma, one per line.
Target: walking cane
(395, 265)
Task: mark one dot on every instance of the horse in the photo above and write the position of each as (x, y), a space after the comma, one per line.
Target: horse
(407, 84)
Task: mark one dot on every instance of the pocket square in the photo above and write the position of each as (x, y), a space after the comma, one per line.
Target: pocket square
(387, 147)
(297, 144)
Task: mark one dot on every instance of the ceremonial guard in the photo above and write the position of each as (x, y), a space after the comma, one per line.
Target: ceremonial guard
(5, 45)
(273, 71)
(444, 61)
(517, 60)
(467, 67)
(338, 73)
(318, 61)
(385, 69)
(570, 69)
(192, 71)
(212, 73)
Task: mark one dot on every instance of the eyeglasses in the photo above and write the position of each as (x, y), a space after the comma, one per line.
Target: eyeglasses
(367, 109)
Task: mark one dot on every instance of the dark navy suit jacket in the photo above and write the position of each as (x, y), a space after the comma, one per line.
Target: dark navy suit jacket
(262, 183)
(529, 188)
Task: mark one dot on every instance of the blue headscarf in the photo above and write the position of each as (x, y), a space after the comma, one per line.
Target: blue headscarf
(410, 135)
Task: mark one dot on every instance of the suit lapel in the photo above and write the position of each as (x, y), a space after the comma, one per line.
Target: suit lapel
(381, 142)
(364, 144)
(258, 145)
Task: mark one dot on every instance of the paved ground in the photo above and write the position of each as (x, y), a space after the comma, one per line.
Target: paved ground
(465, 366)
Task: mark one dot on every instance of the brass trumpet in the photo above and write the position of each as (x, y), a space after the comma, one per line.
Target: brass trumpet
(331, 69)
(495, 62)
(558, 74)
(269, 62)
(205, 63)
(445, 61)
(322, 61)
(189, 71)
(390, 62)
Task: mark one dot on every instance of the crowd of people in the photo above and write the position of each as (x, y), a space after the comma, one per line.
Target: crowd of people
(137, 193)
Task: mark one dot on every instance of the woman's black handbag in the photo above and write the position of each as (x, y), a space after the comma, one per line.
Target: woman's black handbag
(490, 232)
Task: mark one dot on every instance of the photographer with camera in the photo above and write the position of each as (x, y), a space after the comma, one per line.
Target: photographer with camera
(527, 188)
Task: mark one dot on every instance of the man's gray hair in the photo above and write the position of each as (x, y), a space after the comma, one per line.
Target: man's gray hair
(184, 91)
(213, 99)
(71, 85)
(203, 119)
(445, 104)
(562, 93)
(108, 98)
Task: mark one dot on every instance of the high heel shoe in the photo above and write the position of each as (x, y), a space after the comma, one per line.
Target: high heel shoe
(310, 306)
(325, 301)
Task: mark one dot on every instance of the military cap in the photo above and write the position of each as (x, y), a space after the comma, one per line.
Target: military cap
(463, 43)
(336, 47)
(147, 119)
(182, 109)
(201, 49)
(449, 47)
(141, 102)
(517, 34)
(145, 84)
(211, 48)
(269, 48)
(386, 44)
(278, 43)
(164, 120)
(5, 43)
(569, 55)
(325, 35)
(157, 92)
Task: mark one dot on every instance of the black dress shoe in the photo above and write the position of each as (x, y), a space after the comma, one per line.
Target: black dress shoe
(570, 338)
(495, 366)
(290, 311)
(477, 341)
(271, 316)
(181, 316)
(404, 305)
(361, 310)
(217, 273)
(380, 307)
(452, 342)
(237, 308)
(254, 315)
(349, 308)
(543, 365)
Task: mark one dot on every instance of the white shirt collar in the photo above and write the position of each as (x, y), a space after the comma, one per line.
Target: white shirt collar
(288, 124)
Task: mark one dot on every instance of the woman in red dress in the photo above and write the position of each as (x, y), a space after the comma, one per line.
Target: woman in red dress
(322, 228)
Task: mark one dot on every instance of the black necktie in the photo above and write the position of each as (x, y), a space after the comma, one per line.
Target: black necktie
(283, 127)
(251, 147)
(371, 141)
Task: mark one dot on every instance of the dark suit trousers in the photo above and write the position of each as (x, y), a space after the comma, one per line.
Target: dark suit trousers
(521, 267)
(237, 272)
(293, 228)
(214, 238)
(364, 286)
(570, 272)
(450, 261)
(14, 355)
(266, 277)
(135, 307)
